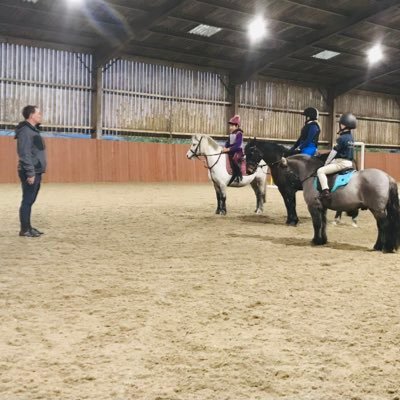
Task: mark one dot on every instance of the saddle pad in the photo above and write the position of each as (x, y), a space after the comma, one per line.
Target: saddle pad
(340, 180)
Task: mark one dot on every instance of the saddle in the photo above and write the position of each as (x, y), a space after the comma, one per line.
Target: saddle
(335, 181)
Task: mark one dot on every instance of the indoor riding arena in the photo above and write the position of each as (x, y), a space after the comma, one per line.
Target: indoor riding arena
(140, 269)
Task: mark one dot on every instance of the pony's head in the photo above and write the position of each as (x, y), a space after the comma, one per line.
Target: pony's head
(195, 147)
(253, 156)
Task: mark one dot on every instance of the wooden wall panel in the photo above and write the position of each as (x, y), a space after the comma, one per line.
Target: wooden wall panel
(71, 160)
(8, 160)
(388, 162)
(80, 160)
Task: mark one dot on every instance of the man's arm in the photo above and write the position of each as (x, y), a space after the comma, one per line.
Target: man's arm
(25, 142)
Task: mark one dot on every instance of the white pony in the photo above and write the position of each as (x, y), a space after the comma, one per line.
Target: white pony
(215, 160)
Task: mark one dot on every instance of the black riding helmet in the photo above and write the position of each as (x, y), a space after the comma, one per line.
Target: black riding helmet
(311, 113)
(348, 120)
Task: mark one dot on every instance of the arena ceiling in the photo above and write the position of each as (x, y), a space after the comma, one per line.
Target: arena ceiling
(297, 30)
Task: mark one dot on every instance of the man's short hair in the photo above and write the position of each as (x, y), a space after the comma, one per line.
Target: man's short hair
(27, 111)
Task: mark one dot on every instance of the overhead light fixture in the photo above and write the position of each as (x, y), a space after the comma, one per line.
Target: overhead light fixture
(326, 54)
(375, 54)
(257, 29)
(205, 30)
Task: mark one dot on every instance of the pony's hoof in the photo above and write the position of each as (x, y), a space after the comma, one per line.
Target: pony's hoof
(291, 223)
(388, 251)
(223, 212)
(258, 211)
(218, 212)
(318, 242)
(354, 224)
(378, 248)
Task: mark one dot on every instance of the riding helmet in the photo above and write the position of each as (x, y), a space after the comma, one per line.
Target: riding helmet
(311, 113)
(348, 120)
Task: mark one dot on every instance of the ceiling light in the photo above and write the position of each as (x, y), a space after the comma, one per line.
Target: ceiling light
(257, 29)
(205, 30)
(326, 54)
(375, 54)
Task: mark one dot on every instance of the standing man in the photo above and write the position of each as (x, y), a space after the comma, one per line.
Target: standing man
(31, 165)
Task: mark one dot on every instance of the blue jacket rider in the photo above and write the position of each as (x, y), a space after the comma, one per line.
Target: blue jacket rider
(307, 143)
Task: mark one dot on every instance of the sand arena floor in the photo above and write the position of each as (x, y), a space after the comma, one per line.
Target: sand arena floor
(138, 291)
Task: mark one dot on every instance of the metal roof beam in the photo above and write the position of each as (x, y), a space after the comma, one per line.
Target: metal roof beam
(368, 77)
(152, 18)
(204, 40)
(259, 64)
(364, 40)
(325, 9)
(225, 27)
(327, 63)
(245, 10)
(179, 51)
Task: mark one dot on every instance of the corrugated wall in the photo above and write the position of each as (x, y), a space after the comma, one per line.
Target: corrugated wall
(378, 117)
(152, 98)
(273, 109)
(58, 81)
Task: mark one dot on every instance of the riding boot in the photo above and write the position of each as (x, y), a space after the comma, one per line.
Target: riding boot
(236, 174)
(239, 176)
(325, 195)
(233, 178)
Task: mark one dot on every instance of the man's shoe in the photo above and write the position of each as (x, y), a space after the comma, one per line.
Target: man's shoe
(36, 231)
(28, 233)
(325, 195)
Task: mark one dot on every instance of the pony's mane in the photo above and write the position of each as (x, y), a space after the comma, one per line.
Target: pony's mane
(274, 147)
(212, 143)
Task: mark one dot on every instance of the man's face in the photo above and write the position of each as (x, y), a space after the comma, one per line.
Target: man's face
(36, 117)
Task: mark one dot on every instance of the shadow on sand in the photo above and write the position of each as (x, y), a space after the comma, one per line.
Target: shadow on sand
(300, 242)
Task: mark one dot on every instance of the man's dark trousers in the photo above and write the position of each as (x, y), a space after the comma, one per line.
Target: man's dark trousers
(29, 194)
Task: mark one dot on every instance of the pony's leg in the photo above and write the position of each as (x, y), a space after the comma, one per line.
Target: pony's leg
(259, 189)
(381, 224)
(289, 197)
(353, 214)
(338, 217)
(318, 216)
(218, 194)
(223, 201)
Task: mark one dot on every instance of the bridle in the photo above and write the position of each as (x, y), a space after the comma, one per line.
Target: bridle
(197, 155)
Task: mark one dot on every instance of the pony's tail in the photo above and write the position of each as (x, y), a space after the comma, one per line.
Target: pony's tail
(393, 218)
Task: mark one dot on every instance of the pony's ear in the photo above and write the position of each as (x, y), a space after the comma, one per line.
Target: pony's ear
(252, 140)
